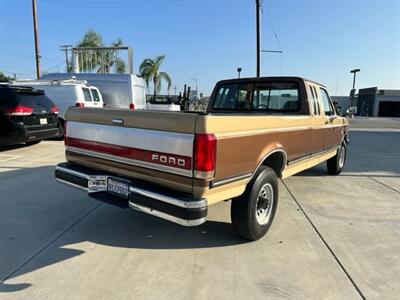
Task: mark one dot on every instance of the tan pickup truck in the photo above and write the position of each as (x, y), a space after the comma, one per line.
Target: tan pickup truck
(174, 165)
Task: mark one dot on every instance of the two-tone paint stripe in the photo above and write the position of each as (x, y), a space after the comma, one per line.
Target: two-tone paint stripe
(164, 151)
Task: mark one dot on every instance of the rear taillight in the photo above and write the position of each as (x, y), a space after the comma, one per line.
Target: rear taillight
(54, 109)
(19, 110)
(204, 155)
(79, 104)
(132, 106)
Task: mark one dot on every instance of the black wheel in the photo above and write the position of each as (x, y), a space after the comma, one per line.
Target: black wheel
(61, 125)
(336, 163)
(253, 212)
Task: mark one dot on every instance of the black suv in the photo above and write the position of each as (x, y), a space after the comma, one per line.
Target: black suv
(26, 116)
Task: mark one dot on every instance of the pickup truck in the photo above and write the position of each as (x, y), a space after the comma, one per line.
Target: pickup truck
(174, 165)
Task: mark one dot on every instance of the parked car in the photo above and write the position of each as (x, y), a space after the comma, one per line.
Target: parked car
(27, 115)
(119, 90)
(66, 93)
(174, 165)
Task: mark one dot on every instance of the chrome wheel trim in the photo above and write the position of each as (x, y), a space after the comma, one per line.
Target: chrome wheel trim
(342, 156)
(265, 201)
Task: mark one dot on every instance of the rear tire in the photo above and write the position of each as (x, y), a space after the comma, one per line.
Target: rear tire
(253, 212)
(62, 130)
(336, 163)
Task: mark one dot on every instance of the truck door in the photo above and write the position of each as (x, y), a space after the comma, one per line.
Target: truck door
(333, 127)
(318, 121)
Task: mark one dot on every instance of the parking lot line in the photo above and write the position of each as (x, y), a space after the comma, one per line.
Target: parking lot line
(7, 157)
(325, 243)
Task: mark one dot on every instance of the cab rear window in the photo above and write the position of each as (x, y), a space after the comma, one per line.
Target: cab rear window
(86, 94)
(263, 97)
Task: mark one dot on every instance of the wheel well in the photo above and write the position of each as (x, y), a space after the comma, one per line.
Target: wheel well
(276, 161)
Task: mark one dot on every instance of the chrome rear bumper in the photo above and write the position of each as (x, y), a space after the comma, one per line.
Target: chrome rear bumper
(166, 204)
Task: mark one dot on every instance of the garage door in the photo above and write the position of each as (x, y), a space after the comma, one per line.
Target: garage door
(389, 109)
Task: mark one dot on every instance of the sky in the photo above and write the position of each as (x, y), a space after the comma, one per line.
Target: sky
(209, 39)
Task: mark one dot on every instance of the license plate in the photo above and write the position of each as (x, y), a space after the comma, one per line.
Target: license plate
(97, 184)
(43, 121)
(118, 187)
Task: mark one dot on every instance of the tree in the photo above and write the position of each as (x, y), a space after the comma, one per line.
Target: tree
(112, 61)
(5, 78)
(150, 70)
(100, 61)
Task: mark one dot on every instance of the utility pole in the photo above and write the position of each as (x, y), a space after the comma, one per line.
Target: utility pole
(65, 48)
(258, 36)
(174, 90)
(35, 32)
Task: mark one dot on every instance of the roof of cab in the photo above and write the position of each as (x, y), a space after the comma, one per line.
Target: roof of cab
(269, 78)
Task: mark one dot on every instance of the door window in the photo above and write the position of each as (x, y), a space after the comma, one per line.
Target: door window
(86, 94)
(326, 103)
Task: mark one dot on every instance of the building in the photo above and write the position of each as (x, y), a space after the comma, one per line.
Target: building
(373, 102)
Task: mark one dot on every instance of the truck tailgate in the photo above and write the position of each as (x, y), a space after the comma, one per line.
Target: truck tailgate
(148, 145)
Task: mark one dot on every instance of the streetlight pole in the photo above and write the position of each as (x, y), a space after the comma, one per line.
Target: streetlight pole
(258, 37)
(36, 36)
(239, 70)
(353, 91)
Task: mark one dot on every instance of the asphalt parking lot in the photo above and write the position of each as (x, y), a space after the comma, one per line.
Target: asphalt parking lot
(332, 238)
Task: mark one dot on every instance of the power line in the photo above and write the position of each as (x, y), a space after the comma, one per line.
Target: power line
(274, 31)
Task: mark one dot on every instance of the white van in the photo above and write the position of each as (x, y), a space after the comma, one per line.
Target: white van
(127, 91)
(66, 93)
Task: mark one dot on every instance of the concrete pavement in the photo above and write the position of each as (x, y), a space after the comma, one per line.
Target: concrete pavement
(332, 238)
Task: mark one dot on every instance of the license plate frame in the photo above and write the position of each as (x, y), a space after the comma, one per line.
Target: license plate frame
(118, 187)
(43, 121)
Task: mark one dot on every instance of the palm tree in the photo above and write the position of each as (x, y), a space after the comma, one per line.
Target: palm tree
(111, 60)
(150, 70)
(90, 39)
(101, 62)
